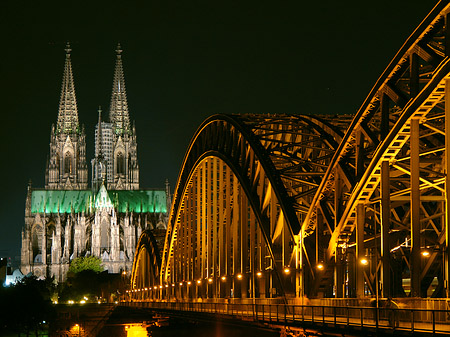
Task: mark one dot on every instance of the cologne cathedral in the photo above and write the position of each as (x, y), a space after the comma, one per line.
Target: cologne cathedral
(68, 218)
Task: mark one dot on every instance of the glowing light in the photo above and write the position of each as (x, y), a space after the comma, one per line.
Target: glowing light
(70, 302)
(98, 302)
(181, 283)
(82, 301)
(146, 289)
(210, 280)
(223, 278)
(160, 287)
(425, 253)
(173, 284)
(199, 282)
(364, 261)
(239, 276)
(166, 285)
(320, 266)
(287, 270)
(259, 274)
(136, 330)
(189, 283)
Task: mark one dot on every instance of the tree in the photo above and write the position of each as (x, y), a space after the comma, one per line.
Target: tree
(83, 279)
(24, 306)
(80, 264)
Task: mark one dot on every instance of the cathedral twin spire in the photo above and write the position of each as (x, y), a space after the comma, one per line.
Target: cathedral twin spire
(68, 112)
(115, 149)
(118, 112)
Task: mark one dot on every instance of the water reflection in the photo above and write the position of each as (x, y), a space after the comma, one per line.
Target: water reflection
(137, 330)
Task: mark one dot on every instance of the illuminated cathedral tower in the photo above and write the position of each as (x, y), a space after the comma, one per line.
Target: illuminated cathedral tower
(115, 142)
(66, 220)
(66, 167)
(125, 167)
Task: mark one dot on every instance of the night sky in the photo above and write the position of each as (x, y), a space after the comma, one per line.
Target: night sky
(183, 61)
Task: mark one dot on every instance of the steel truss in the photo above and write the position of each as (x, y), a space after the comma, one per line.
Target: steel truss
(269, 205)
(383, 198)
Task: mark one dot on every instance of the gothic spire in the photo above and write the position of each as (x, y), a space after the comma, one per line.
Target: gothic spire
(68, 113)
(118, 111)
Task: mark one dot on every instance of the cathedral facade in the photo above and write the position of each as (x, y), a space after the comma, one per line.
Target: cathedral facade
(69, 217)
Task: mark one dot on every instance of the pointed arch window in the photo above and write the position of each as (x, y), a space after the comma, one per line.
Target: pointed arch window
(120, 163)
(36, 243)
(67, 163)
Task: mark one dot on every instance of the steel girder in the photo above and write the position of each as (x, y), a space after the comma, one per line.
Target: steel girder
(277, 160)
(390, 168)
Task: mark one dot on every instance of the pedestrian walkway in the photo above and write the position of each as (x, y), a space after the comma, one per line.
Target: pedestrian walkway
(362, 318)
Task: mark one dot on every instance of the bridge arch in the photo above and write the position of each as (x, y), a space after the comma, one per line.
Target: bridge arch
(317, 196)
(390, 173)
(146, 267)
(235, 214)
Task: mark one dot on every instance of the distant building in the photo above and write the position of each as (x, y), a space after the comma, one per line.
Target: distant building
(7, 275)
(66, 219)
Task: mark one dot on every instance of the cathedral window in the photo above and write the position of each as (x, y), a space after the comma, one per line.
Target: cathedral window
(104, 234)
(120, 163)
(67, 163)
(36, 242)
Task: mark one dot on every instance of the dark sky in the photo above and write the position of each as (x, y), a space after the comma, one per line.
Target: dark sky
(183, 61)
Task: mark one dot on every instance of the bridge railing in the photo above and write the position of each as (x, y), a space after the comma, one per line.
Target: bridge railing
(411, 319)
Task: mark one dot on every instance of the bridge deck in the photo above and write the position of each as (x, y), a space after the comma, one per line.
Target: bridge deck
(400, 321)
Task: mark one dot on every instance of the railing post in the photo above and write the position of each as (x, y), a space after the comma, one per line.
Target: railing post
(293, 313)
(348, 316)
(263, 312)
(334, 312)
(361, 316)
(434, 322)
(376, 318)
(312, 314)
(323, 315)
(412, 320)
(285, 313)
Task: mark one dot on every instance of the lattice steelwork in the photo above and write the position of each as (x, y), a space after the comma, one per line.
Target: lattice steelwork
(281, 205)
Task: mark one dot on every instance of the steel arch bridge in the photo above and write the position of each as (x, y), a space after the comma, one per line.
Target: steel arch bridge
(324, 206)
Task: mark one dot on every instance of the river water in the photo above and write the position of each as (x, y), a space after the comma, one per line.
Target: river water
(128, 323)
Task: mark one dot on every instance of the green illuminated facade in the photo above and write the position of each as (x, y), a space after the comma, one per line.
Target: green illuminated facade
(62, 201)
(66, 219)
